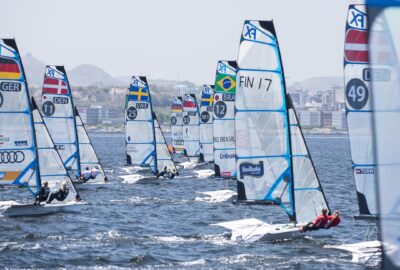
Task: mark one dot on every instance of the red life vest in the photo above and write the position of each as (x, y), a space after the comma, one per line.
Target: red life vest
(320, 221)
(332, 222)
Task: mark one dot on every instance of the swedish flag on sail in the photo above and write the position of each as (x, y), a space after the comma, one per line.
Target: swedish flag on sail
(137, 93)
(225, 83)
(207, 99)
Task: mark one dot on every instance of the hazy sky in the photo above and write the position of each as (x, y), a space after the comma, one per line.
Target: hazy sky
(174, 39)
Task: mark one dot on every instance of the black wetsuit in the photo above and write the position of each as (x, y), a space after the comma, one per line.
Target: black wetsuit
(42, 195)
(59, 195)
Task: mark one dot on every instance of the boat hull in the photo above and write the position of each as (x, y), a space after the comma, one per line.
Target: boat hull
(24, 210)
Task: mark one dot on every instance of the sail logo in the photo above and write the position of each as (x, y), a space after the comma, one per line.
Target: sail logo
(10, 86)
(59, 147)
(221, 68)
(224, 139)
(251, 169)
(379, 74)
(204, 117)
(49, 72)
(21, 143)
(227, 156)
(357, 19)
(250, 32)
(60, 100)
(365, 171)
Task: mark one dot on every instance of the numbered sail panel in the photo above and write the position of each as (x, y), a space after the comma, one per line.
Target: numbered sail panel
(139, 127)
(308, 193)
(176, 124)
(163, 155)
(88, 156)
(51, 166)
(357, 77)
(206, 123)
(191, 122)
(58, 114)
(384, 52)
(18, 162)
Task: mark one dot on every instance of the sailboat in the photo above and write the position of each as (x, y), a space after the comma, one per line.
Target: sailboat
(359, 122)
(28, 153)
(66, 126)
(176, 128)
(223, 132)
(145, 143)
(191, 131)
(384, 51)
(273, 162)
(224, 120)
(206, 124)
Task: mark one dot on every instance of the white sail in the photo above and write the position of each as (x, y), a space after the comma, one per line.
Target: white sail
(358, 108)
(206, 124)
(176, 124)
(224, 120)
(139, 125)
(51, 167)
(191, 132)
(384, 52)
(163, 156)
(58, 114)
(273, 163)
(87, 154)
(18, 155)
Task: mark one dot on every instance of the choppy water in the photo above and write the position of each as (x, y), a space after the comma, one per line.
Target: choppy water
(162, 227)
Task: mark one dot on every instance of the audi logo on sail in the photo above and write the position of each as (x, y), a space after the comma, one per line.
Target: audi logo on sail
(11, 157)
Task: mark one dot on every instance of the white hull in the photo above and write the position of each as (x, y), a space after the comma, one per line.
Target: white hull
(90, 186)
(202, 174)
(362, 252)
(217, 196)
(23, 210)
(251, 230)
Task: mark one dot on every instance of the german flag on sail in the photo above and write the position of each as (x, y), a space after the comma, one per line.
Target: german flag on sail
(138, 93)
(176, 108)
(225, 83)
(207, 100)
(9, 69)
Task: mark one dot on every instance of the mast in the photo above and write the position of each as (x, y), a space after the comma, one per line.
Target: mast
(143, 78)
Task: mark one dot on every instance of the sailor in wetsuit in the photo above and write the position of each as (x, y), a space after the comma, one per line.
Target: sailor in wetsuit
(86, 175)
(162, 173)
(61, 194)
(333, 220)
(43, 193)
(318, 223)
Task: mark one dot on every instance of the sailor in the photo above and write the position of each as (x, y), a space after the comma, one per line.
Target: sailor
(171, 174)
(171, 149)
(163, 172)
(43, 193)
(85, 176)
(61, 194)
(94, 172)
(333, 220)
(318, 223)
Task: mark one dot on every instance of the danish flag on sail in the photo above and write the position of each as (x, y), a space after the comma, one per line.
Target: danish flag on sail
(356, 46)
(54, 86)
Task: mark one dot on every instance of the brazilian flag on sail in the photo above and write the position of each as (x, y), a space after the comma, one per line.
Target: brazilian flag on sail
(137, 93)
(225, 83)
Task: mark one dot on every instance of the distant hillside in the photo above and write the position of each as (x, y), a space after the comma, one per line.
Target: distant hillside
(317, 84)
(84, 75)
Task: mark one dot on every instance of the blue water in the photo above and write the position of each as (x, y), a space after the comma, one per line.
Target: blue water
(162, 227)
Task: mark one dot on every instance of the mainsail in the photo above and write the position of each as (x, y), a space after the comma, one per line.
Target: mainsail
(28, 154)
(191, 132)
(273, 162)
(139, 125)
(59, 116)
(87, 154)
(176, 124)
(206, 124)
(163, 156)
(384, 76)
(224, 120)
(18, 151)
(358, 108)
